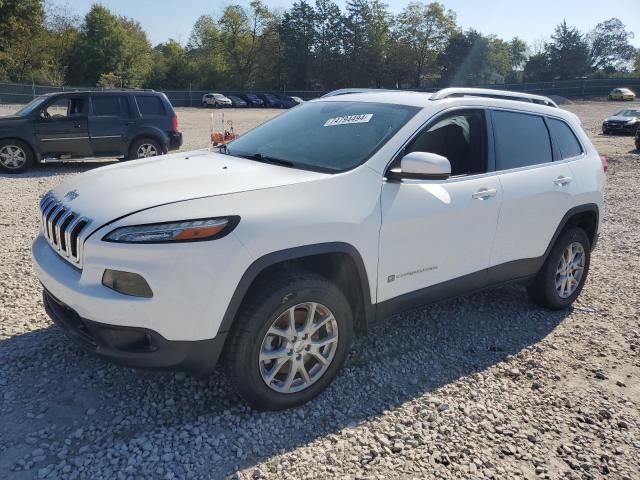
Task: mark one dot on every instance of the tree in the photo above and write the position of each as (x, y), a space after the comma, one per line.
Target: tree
(205, 52)
(60, 38)
(330, 31)
(21, 28)
(170, 67)
(568, 53)
(423, 31)
(610, 47)
(537, 68)
(298, 34)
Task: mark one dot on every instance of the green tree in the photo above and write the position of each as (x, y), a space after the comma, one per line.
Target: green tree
(299, 34)
(205, 52)
(60, 37)
(537, 68)
(170, 67)
(21, 41)
(610, 47)
(329, 60)
(568, 52)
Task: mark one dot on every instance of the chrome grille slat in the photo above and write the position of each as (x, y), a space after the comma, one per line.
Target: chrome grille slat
(62, 227)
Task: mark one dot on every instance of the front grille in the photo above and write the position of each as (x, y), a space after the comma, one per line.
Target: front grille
(62, 227)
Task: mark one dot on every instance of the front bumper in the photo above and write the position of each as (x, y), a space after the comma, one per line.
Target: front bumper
(132, 346)
(620, 128)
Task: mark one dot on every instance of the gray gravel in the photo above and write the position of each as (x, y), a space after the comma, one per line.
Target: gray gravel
(488, 386)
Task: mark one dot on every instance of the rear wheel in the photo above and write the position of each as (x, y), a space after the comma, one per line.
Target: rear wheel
(565, 271)
(143, 148)
(290, 340)
(15, 156)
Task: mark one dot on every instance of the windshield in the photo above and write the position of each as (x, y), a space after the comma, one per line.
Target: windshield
(218, 95)
(31, 106)
(325, 136)
(628, 113)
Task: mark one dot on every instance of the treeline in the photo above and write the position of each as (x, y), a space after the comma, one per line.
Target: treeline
(312, 45)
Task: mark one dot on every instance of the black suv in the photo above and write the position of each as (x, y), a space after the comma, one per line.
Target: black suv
(128, 123)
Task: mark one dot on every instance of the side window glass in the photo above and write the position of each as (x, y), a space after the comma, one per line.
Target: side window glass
(521, 140)
(460, 137)
(565, 138)
(150, 105)
(110, 106)
(64, 107)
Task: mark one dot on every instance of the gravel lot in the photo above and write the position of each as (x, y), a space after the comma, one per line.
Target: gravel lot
(488, 386)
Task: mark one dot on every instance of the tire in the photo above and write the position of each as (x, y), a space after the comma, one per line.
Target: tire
(544, 290)
(269, 303)
(144, 144)
(15, 156)
(638, 141)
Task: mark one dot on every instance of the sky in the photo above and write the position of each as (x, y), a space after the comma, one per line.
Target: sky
(533, 20)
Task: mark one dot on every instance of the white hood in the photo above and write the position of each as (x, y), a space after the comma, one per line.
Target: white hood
(111, 192)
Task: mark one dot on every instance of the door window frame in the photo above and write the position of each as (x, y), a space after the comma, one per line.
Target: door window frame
(67, 96)
(437, 117)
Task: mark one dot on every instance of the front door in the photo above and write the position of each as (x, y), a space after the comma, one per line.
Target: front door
(434, 231)
(62, 128)
(110, 122)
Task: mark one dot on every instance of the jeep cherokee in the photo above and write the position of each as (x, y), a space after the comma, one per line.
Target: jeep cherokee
(275, 249)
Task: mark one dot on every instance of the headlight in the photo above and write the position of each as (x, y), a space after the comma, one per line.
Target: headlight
(632, 121)
(182, 231)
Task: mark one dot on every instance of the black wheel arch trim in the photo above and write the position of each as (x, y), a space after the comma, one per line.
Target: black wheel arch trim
(295, 253)
(587, 207)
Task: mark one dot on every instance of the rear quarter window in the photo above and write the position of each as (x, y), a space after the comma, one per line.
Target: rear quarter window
(521, 139)
(565, 138)
(150, 105)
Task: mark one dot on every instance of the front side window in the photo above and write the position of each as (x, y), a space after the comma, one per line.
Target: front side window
(64, 107)
(521, 139)
(329, 136)
(150, 105)
(460, 137)
(565, 139)
(110, 106)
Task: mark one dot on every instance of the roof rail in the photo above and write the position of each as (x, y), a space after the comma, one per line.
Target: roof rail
(345, 91)
(486, 92)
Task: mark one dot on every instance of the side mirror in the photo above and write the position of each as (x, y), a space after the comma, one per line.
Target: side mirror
(421, 166)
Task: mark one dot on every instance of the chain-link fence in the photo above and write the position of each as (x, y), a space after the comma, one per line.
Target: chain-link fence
(24, 93)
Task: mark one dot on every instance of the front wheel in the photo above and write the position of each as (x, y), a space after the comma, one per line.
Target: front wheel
(565, 271)
(290, 340)
(15, 156)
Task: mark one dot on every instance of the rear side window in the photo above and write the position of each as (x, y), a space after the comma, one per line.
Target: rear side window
(521, 140)
(150, 105)
(110, 106)
(564, 138)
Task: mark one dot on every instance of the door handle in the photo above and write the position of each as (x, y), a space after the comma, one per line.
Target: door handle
(484, 193)
(562, 181)
(76, 125)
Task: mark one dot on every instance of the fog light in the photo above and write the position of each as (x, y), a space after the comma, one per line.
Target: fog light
(127, 283)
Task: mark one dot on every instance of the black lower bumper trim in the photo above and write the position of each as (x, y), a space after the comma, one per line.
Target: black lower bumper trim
(133, 346)
(175, 140)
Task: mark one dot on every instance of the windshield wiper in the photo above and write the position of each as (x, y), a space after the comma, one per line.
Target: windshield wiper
(258, 157)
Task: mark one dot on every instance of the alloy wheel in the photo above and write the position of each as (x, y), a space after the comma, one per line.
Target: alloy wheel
(146, 150)
(12, 156)
(298, 348)
(570, 269)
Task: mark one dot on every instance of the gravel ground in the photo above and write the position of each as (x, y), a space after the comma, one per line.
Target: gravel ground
(487, 386)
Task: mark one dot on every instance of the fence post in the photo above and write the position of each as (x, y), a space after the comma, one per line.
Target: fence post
(33, 88)
(190, 97)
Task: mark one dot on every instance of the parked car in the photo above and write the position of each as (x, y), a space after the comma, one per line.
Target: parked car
(237, 102)
(264, 251)
(287, 101)
(621, 94)
(129, 123)
(298, 100)
(252, 99)
(270, 100)
(625, 121)
(215, 100)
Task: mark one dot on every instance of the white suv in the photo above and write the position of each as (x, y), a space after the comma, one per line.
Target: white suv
(275, 249)
(215, 100)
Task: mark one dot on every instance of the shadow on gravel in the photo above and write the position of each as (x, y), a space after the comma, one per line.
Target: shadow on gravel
(169, 423)
(52, 169)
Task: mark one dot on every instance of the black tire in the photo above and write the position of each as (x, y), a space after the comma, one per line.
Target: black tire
(9, 146)
(605, 131)
(134, 153)
(542, 290)
(265, 303)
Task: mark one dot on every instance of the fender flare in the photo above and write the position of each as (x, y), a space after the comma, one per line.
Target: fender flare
(270, 259)
(587, 207)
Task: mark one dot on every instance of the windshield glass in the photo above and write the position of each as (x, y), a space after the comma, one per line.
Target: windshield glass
(326, 136)
(218, 95)
(628, 113)
(31, 106)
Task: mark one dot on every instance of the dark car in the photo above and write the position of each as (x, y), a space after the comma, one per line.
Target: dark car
(252, 99)
(270, 100)
(625, 121)
(237, 102)
(113, 123)
(287, 101)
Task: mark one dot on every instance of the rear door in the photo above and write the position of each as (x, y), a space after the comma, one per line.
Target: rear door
(537, 186)
(61, 127)
(110, 122)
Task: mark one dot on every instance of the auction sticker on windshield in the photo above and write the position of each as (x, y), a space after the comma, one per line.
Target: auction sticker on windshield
(349, 119)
